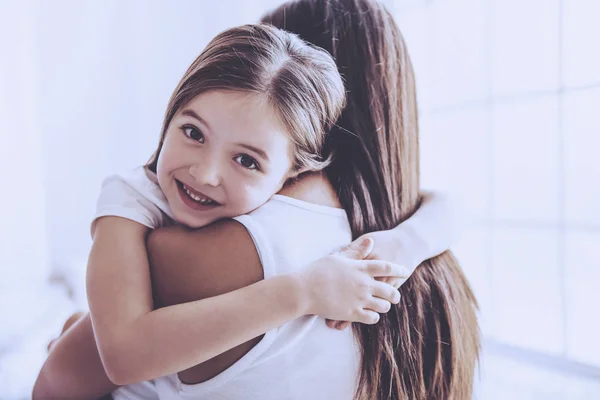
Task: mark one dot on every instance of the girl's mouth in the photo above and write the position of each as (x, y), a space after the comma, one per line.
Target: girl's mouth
(194, 199)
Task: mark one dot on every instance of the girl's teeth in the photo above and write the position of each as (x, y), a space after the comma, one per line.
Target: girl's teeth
(197, 198)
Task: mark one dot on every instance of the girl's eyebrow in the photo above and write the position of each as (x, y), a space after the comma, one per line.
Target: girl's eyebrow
(254, 149)
(190, 113)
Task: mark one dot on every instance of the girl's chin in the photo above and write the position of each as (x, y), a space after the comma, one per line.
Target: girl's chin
(193, 222)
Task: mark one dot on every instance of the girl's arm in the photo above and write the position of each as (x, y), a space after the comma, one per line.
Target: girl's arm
(137, 343)
(74, 368)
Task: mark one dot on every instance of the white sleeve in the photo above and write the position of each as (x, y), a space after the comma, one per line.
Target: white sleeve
(432, 229)
(120, 198)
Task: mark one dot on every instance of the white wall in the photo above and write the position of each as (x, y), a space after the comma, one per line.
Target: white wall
(24, 262)
(510, 93)
(107, 70)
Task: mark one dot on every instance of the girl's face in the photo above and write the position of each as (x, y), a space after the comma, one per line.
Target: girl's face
(224, 154)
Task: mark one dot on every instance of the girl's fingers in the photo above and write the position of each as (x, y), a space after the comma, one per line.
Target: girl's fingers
(391, 280)
(377, 268)
(386, 292)
(359, 249)
(367, 317)
(341, 325)
(331, 323)
(384, 279)
(379, 305)
(396, 282)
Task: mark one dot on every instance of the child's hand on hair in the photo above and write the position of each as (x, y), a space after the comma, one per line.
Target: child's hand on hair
(386, 248)
(346, 286)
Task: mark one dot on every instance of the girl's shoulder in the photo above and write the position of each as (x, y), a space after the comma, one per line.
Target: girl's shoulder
(134, 195)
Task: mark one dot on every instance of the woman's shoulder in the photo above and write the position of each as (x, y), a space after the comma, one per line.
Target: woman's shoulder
(312, 188)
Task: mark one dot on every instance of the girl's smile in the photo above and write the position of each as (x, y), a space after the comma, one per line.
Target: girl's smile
(195, 199)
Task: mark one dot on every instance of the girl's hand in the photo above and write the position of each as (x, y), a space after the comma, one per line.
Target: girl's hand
(387, 246)
(344, 286)
(390, 247)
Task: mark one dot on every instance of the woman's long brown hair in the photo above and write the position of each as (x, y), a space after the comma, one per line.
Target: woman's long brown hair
(426, 347)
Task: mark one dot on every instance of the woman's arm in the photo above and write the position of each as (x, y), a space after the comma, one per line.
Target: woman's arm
(427, 233)
(189, 266)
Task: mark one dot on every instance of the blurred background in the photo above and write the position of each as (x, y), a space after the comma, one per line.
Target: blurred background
(509, 95)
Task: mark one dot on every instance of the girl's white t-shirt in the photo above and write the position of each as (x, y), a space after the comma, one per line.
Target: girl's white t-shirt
(134, 195)
(302, 359)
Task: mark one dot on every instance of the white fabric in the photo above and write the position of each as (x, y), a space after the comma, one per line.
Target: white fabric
(134, 195)
(431, 230)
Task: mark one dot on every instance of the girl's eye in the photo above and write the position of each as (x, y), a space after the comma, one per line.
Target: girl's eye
(246, 161)
(193, 134)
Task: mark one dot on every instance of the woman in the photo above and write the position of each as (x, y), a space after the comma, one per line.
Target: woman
(427, 346)
(416, 351)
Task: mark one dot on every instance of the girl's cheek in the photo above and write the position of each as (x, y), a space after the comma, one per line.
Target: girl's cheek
(178, 155)
(166, 153)
(259, 195)
(244, 195)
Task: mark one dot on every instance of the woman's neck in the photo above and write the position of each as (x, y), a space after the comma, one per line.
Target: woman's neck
(312, 187)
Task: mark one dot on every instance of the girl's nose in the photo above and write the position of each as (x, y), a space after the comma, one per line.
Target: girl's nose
(206, 174)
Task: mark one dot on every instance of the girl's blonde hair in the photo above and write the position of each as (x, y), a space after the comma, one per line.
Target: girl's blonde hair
(299, 81)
